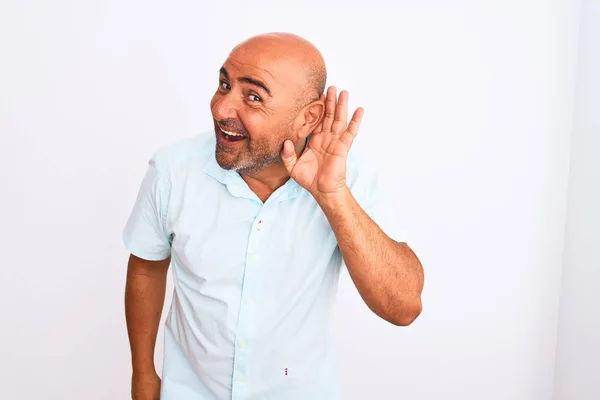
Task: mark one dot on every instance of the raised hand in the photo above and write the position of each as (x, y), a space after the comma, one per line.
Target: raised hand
(321, 169)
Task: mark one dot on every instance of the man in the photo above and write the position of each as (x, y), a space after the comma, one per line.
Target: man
(256, 219)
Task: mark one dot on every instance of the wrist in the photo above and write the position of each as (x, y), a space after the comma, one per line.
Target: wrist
(144, 369)
(334, 200)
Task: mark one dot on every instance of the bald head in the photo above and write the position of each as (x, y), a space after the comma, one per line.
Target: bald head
(300, 57)
(269, 92)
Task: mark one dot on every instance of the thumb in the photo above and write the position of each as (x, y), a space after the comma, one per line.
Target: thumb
(288, 155)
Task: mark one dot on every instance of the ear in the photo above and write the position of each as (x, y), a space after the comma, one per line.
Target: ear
(312, 116)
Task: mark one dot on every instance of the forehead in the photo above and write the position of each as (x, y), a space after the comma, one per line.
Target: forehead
(279, 72)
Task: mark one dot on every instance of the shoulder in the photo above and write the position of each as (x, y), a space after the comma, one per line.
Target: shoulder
(362, 172)
(191, 150)
(368, 180)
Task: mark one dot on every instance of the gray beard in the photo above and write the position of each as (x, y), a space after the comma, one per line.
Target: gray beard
(253, 165)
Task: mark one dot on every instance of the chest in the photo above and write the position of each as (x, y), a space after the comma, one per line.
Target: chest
(219, 237)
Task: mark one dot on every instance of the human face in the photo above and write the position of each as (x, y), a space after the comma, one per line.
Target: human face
(253, 113)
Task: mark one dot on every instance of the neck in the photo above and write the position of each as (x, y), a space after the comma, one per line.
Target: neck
(268, 179)
(264, 182)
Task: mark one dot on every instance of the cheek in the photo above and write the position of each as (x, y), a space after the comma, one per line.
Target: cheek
(213, 102)
(256, 124)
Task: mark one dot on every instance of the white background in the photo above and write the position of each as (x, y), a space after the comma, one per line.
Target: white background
(470, 108)
(578, 351)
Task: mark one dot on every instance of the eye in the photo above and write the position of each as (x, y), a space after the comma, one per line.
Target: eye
(254, 98)
(224, 86)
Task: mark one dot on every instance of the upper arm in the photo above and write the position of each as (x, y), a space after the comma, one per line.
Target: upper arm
(137, 265)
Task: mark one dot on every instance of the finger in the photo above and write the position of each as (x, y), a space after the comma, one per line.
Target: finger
(350, 133)
(329, 108)
(288, 155)
(319, 127)
(341, 113)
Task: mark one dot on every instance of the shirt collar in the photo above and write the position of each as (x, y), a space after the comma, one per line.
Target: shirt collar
(239, 188)
(213, 169)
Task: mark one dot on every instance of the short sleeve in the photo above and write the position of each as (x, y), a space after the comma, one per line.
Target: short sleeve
(145, 234)
(381, 209)
(375, 196)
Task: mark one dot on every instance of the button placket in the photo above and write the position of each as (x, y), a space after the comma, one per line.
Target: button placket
(248, 306)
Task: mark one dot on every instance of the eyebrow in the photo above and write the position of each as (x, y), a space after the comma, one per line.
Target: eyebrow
(247, 79)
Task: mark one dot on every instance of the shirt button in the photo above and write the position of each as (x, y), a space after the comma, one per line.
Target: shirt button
(242, 345)
(241, 378)
(254, 257)
(249, 300)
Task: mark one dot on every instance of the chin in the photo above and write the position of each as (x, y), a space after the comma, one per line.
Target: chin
(223, 160)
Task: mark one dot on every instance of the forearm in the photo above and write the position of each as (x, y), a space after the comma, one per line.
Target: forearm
(144, 299)
(387, 274)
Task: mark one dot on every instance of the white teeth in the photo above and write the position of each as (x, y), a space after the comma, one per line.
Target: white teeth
(231, 133)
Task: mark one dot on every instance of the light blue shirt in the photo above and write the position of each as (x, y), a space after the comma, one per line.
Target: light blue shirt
(254, 282)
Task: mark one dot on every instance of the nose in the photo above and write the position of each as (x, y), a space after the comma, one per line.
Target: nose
(225, 106)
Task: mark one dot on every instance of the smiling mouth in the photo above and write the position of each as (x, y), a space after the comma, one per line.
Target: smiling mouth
(231, 136)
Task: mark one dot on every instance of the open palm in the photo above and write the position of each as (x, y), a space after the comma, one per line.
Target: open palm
(321, 168)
